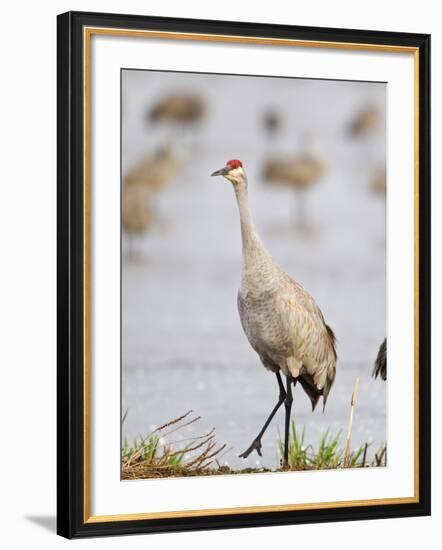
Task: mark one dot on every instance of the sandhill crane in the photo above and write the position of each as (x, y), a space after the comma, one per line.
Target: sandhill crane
(299, 172)
(364, 128)
(271, 122)
(155, 171)
(365, 122)
(380, 365)
(280, 319)
(379, 182)
(184, 110)
(151, 175)
(136, 213)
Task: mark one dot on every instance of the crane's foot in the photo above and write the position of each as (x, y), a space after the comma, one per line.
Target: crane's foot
(255, 446)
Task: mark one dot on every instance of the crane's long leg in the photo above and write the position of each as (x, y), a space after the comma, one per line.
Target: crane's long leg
(256, 444)
(301, 217)
(288, 408)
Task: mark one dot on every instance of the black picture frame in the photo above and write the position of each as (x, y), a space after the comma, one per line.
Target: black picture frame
(71, 522)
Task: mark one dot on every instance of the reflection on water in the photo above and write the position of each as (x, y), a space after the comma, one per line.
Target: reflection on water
(183, 346)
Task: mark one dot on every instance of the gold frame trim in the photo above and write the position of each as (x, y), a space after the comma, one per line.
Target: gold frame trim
(87, 34)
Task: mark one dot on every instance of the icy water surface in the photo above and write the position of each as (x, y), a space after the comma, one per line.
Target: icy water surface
(183, 345)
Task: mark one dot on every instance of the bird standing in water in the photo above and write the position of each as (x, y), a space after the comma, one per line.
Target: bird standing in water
(380, 365)
(300, 172)
(136, 213)
(280, 319)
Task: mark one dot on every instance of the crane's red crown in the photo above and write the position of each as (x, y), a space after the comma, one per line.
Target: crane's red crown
(234, 163)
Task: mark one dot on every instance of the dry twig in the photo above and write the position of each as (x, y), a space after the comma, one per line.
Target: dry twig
(346, 459)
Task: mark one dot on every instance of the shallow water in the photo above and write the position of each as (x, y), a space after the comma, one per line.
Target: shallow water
(183, 345)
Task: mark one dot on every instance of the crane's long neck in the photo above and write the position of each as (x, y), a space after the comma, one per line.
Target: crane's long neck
(254, 252)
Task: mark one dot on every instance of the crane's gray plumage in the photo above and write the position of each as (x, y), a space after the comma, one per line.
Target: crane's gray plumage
(287, 329)
(380, 365)
(280, 319)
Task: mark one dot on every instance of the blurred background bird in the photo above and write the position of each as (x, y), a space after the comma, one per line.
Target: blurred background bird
(136, 213)
(366, 129)
(379, 182)
(149, 176)
(156, 170)
(299, 172)
(365, 122)
(183, 112)
(271, 122)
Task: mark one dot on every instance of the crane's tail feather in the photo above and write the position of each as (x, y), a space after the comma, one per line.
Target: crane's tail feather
(311, 391)
(332, 340)
(322, 382)
(331, 370)
(380, 365)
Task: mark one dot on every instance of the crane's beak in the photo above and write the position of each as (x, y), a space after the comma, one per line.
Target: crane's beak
(221, 172)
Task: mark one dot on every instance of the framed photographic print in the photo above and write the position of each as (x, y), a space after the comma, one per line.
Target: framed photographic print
(243, 274)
